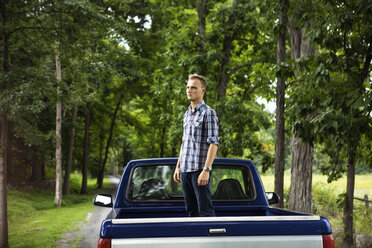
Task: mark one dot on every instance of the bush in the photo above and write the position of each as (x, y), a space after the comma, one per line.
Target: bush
(325, 200)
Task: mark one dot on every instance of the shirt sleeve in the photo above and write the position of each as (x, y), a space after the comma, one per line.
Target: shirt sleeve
(212, 127)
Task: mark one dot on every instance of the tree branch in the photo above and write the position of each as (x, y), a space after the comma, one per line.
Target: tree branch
(254, 88)
(24, 28)
(367, 63)
(239, 67)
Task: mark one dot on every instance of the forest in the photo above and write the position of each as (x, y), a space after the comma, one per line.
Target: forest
(88, 85)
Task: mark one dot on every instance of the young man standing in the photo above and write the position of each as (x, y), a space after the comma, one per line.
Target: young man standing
(198, 150)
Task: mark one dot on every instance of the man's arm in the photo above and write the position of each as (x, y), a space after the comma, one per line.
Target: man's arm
(204, 175)
(176, 174)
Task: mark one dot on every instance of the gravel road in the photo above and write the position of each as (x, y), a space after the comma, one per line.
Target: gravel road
(88, 233)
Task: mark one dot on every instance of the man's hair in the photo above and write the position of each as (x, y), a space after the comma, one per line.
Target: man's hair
(202, 79)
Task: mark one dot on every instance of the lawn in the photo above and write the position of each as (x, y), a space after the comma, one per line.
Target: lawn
(34, 221)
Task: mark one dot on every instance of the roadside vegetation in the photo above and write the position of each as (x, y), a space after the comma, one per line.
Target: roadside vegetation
(34, 221)
(327, 201)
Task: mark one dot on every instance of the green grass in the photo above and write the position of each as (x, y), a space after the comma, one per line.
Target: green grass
(363, 183)
(34, 221)
(325, 196)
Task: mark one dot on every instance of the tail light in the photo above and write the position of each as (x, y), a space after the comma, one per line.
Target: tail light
(328, 241)
(104, 243)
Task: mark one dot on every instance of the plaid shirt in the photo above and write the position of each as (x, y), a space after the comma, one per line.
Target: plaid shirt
(200, 129)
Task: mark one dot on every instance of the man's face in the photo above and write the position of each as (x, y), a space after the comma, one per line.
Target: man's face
(194, 90)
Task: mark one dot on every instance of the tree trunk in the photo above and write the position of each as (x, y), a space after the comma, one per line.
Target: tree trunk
(101, 146)
(300, 197)
(84, 182)
(163, 141)
(36, 176)
(227, 46)
(201, 7)
(3, 182)
(102, 169)
(349, 201)
(58, 192)
(280, 93)
(4, 138)
(66, 181)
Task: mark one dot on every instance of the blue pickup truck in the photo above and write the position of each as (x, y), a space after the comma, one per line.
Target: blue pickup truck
(149, 212)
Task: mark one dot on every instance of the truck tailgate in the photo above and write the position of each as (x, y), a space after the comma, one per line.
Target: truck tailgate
(216, 226)
(302, 241)
(235, 231)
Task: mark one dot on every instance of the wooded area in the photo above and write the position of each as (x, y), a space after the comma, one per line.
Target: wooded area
(87, 84)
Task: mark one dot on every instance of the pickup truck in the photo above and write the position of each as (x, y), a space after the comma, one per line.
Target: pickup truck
(149, 212)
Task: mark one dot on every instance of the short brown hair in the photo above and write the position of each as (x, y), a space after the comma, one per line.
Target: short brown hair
(202, 79)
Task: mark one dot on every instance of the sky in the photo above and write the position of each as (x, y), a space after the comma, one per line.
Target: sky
(269, 106)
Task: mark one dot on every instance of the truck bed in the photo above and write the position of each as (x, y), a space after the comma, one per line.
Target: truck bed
(149, 212)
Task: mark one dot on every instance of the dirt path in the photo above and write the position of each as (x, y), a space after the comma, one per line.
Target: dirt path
(88, 234)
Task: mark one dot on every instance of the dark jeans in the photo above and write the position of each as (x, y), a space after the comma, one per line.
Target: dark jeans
(197, 198)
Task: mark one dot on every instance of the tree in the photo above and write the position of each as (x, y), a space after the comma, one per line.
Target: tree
(107, 147)
(302, 151)
(66, 179)
(84, 170)
(280, 96)
(226, 51)
(58, 192)
(4, 134)
(339, 89)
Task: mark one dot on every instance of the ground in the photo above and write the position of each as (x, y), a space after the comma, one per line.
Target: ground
(88, 234)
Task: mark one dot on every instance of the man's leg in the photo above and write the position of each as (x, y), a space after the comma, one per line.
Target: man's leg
(189, 195)
(203, 196)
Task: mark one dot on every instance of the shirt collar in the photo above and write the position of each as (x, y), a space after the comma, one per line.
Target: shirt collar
(200, 105)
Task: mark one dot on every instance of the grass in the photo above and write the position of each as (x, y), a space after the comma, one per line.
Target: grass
(325, 198)
(363, 183)
(34, 221)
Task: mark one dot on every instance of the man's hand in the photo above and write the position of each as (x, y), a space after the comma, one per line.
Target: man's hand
(203, 178)
(176, 175)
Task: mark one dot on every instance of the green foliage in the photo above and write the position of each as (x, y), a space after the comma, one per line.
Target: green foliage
(34, 221)
(139, 53)
(330, 99)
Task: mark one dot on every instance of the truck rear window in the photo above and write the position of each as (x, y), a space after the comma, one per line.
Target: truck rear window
(155, 183)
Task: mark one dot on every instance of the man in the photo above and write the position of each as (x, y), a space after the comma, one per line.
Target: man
(198, 150)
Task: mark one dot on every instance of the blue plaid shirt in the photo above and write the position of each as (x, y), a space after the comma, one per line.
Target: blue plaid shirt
(200, 129)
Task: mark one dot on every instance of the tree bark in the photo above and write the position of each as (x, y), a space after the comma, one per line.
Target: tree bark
(66, 180)
(84, 182)
(163, 141)
(280, 94)
(3, 182)
(201, 7)
(227, 46)
(4, 138)
(348, 239)
(58, 191)
(300, 196)
(102, 168)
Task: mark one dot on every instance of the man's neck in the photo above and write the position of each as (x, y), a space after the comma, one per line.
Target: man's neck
(194, 104)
